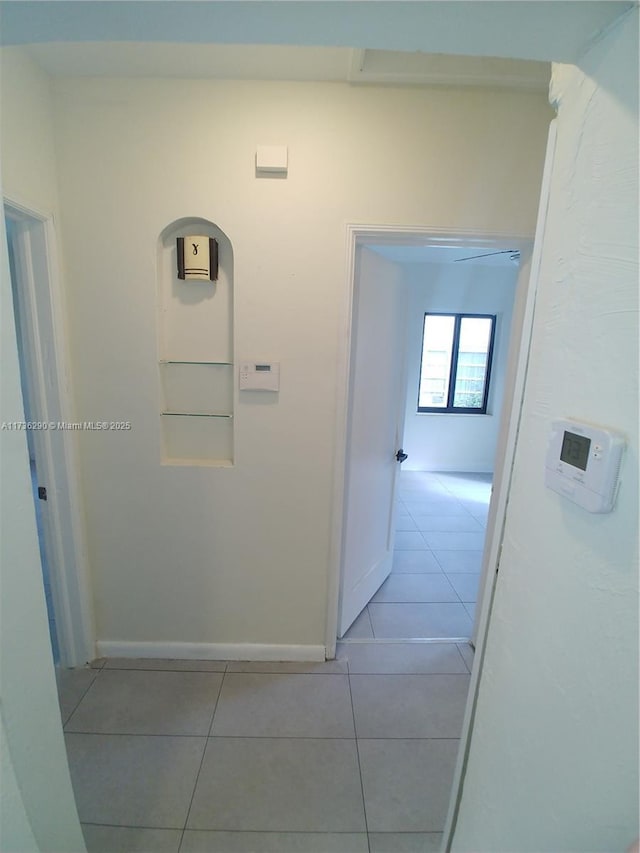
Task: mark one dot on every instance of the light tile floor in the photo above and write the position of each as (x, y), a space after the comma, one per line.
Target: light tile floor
(433, 586)
(352, 756)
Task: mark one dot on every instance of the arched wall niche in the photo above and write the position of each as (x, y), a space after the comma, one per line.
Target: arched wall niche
(195, 345)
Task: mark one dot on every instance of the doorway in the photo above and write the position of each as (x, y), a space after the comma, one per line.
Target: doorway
(457, 303)
(49, 430)
(468, 496)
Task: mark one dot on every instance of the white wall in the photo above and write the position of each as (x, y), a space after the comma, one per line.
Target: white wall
(206, 555)
(37, 806)
(441, 442)
(554, 755)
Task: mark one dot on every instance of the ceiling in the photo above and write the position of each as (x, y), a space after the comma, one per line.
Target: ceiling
(527, 29)
(445, 255)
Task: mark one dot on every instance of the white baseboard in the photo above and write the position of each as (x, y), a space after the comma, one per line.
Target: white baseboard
(209, 651)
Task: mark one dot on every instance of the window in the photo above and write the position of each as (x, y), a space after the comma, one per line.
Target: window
(456, 363)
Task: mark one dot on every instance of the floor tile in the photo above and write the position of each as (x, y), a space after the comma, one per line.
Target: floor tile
(361, 628)
(470, 490)
(466, 650)
(466, 585)
(407, 783)
(276, 784)
(449, 524)
(414, 562)
(208, 841)
(455, 541)
(72, 685)
(409, 478)
(477, 508)
(471, 610)
(405, 842)
(421, 490)
(459, 561)
(409, 706)
(277, 705)
(166, 664)
(409, 541)
(420, 620)
(451, 506)
(416, 588)
(408, 658)
(134, 780)
(326, 667)
(404, 523)
(126, 839)
(142, 702)
(465, 479)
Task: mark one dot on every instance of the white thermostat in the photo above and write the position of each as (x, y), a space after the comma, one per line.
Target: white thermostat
(259, 376)
(583, 464)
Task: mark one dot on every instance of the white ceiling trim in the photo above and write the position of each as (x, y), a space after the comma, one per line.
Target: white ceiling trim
(286, 62)
(436, 69)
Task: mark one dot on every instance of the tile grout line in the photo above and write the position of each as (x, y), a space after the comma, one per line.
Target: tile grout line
(463, 658)
(355, 733)
(297, 737)
(453, 588)
(66, 722)
(130, 826)
(204, 752)
(373, 633)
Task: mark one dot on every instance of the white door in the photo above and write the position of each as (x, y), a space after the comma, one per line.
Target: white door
(376, 417)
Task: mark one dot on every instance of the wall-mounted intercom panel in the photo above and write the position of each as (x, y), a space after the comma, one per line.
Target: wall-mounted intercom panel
(259, 376)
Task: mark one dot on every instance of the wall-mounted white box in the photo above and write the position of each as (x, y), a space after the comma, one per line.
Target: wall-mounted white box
(259, 376)
(272, 158)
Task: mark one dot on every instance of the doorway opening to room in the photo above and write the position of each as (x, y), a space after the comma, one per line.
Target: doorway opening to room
(415, 530)
(49, 428)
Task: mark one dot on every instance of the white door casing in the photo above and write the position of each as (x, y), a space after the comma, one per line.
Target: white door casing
(42, 330)
(512, 407)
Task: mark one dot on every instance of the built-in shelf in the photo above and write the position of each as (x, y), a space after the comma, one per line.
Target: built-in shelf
(194, 415)
(195, 353)
(213, 363)
(197, 463)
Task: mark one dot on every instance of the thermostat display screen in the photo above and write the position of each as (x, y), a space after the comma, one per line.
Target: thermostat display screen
(266, 368)
(575, 450)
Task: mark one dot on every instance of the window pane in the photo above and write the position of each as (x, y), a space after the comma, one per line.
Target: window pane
(473, 354)
(436, 360)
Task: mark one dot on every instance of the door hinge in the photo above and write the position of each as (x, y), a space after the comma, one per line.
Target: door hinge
(42, 493)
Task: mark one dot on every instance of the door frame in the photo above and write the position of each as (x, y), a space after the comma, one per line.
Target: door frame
(356, 235)
(40, 297)
(507, 440)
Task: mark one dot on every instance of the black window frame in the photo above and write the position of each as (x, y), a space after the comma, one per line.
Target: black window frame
(450, 409)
